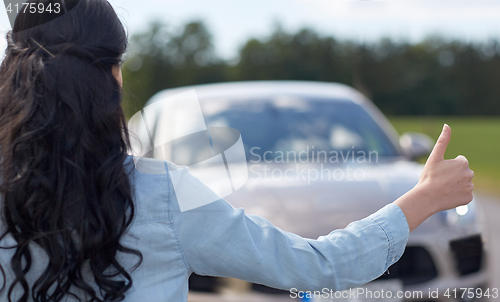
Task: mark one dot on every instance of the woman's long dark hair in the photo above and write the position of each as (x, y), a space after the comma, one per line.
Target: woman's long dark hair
(63, 144)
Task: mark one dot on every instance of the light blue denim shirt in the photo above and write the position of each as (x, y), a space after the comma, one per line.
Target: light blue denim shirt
(219, 240)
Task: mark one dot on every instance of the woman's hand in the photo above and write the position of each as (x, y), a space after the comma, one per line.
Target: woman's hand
(444, 184)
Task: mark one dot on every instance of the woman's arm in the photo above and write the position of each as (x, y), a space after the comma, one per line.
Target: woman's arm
(218, 240)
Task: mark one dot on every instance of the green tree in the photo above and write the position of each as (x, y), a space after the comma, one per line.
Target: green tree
(301, 56)
(160, 59)
(434, 77)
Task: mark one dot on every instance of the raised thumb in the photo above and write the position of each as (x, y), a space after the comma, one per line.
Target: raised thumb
(439, 149)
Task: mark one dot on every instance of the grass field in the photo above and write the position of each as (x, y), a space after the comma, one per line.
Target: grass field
(477, 138)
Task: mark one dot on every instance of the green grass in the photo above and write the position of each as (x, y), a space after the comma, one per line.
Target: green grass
(477, 138)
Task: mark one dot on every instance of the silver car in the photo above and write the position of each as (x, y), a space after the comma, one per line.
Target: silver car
(321, 155)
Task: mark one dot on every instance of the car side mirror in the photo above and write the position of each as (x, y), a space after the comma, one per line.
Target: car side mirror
(416, 144)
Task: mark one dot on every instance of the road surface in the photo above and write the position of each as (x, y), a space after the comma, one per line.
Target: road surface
(489, 208)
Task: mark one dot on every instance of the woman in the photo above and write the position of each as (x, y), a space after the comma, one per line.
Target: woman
(79, 223)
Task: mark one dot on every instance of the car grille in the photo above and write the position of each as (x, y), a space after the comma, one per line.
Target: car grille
(206, 284)
(209, 284)
(415, 266)
(468, 254)
(268, 290)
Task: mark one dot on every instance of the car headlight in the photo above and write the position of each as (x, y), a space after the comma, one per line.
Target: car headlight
(462, 210)
(461, 216)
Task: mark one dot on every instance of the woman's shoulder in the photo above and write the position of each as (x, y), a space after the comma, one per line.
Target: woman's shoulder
(159, 182)
(152, 188)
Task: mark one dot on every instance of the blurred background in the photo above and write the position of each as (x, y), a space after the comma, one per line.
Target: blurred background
(423, 63)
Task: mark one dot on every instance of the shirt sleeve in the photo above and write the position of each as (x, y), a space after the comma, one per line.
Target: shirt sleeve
(219, 240)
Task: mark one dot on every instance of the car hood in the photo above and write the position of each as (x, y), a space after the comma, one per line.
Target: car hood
(310, 205)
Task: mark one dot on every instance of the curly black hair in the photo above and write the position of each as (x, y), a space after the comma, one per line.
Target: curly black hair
(63, 148)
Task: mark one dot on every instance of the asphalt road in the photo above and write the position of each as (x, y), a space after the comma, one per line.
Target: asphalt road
(489, 209)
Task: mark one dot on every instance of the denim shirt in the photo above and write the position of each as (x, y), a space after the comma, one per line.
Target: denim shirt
(219, 240)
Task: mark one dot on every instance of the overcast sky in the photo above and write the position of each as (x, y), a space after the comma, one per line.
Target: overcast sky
(233, 22)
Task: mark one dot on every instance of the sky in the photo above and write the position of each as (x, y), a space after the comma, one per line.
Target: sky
(233, 22)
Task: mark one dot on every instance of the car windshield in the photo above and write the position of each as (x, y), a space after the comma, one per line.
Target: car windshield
(305, 127)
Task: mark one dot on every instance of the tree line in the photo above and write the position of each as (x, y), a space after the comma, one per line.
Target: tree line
(433, 77)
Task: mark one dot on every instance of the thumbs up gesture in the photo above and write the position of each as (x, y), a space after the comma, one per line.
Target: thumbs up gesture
(444, 184)
(449, 182)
